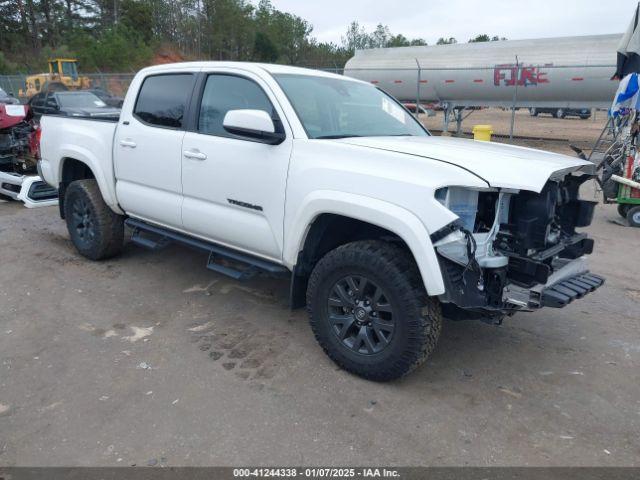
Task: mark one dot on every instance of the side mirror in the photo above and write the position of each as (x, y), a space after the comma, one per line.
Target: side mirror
(256, 125)
(52, 104)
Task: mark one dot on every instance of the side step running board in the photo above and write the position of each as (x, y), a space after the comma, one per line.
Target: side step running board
(156, 238)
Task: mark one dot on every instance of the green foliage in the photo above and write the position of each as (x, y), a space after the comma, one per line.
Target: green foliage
(264, 50)
(137, 16)
(485, 38)
(122, 35)
(6, 67)
(357, 38)
(380, 37)
(398, 41)
(446, 41)
(480, 38)
(116, 49)
(402, 41)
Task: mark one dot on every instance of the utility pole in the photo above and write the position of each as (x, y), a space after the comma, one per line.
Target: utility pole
(418, 90)
(199, 40)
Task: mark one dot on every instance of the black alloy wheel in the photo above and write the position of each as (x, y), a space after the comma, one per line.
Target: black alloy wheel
(369, 310)
(360, 315)
(83, 221)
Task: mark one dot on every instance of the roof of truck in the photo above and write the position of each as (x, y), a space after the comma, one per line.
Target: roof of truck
(249, 66)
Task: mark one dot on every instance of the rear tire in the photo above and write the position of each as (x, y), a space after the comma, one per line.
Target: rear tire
(400, 325)
(96, 231)
(633, 217)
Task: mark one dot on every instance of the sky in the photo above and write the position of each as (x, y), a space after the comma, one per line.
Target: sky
(464, 19)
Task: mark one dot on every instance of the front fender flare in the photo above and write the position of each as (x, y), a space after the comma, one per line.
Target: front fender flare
(397, 220)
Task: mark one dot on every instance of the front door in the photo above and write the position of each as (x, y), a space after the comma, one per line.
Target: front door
(234, 188)
(147, 149)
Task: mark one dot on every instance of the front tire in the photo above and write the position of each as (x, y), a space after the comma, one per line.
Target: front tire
(370, 312)
(96, 231)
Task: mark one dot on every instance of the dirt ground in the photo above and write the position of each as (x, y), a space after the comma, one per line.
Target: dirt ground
(150, 359)
(582, 133)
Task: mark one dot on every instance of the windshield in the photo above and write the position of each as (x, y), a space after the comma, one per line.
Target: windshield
(337, 108)
(69, 69)
(80, 100)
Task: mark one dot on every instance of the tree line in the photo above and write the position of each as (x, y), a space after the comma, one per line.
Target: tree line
(123, 35)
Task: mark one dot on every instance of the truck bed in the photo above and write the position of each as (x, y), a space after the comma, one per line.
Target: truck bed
(88, 140)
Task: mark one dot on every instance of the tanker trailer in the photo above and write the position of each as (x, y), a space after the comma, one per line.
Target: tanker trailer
(565, 72)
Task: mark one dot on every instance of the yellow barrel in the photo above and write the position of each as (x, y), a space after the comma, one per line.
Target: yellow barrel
(482, 133)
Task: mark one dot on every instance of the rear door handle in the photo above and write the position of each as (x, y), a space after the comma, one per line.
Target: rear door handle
(195, 154)
(128, 143)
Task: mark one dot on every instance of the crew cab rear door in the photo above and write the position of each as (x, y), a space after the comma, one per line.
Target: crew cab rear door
(234, 187)
(147, 148)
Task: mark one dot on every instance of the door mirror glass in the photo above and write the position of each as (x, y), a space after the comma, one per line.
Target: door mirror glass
(253, 124)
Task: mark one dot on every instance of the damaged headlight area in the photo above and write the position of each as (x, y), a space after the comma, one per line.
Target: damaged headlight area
(509, 249)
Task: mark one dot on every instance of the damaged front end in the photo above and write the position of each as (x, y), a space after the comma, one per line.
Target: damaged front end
(515, 250)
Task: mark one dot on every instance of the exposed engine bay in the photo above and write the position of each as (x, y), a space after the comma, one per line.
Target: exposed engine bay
(515, 250)
(19, 152)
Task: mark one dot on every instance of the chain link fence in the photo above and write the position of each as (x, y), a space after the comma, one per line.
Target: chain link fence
(522, 103)
(115, 84)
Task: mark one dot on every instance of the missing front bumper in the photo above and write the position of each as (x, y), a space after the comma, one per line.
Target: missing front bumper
(566, 291)
(570, 281)
(496, 295)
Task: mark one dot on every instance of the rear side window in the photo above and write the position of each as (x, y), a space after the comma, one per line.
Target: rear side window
(227, 92)
(163, 99)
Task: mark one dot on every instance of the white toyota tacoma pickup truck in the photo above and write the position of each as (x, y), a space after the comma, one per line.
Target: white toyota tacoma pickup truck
(381, 227)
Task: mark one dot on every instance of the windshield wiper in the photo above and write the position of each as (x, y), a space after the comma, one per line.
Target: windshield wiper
(331, 137)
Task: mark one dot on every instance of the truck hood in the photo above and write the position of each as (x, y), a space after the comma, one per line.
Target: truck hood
(500, 165)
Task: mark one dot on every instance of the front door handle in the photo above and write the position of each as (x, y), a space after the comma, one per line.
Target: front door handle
(195, 154)
(128, 143)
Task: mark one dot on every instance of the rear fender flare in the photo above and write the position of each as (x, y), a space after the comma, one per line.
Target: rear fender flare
(106, 185)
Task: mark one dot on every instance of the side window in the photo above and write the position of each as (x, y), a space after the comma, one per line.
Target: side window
(163, 99)
(227, 92)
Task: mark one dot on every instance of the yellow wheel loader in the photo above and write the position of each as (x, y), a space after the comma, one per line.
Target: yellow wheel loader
(63, 75)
